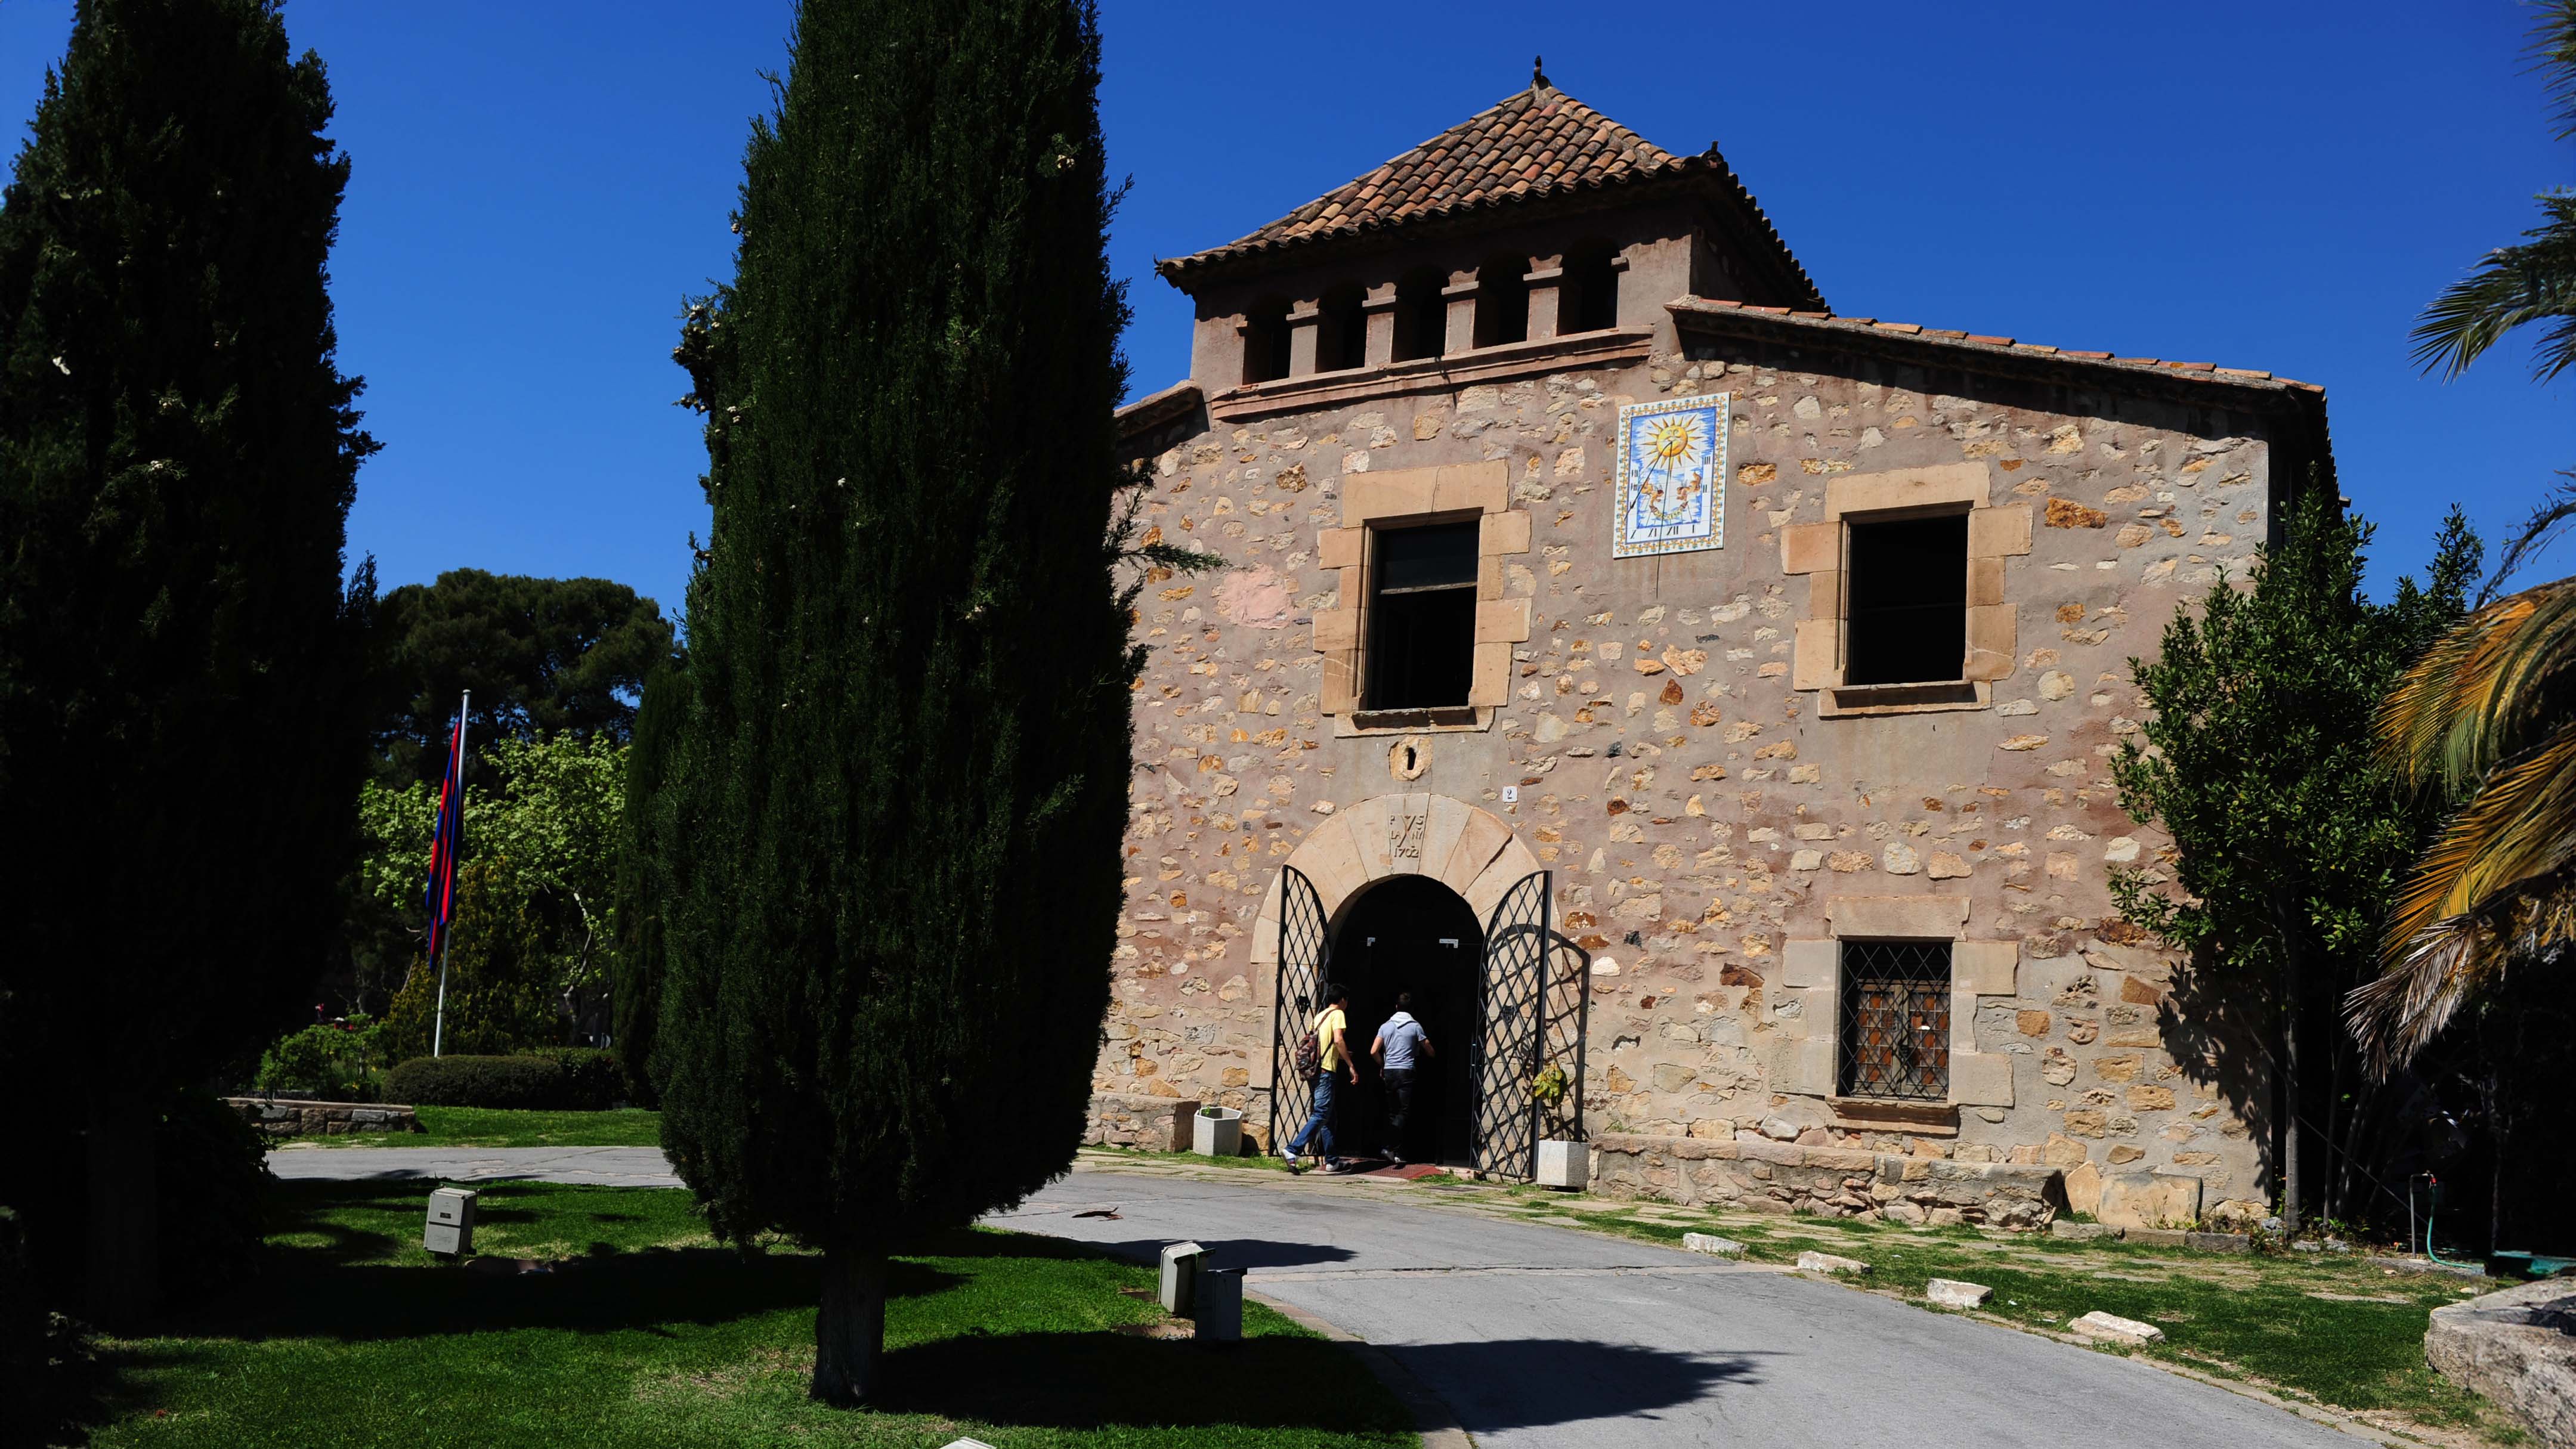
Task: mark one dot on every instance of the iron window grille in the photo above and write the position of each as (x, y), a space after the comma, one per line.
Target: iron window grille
(1896, 1019)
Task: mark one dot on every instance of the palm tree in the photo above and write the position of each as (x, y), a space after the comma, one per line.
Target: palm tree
(2488, 717)
(2536, 280)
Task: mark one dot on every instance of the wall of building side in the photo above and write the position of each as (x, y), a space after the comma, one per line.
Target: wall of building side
(1714, 827)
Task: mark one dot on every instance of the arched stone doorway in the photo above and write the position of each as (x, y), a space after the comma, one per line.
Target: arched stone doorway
(1414, 870)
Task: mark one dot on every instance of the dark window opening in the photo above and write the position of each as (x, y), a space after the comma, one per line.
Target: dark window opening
(1341, 332)
(1422, 617)
(1896, 1019)
(1588, 297)
(1265, 342)
(1907, 580)
(1421, 316)
(1502, 301)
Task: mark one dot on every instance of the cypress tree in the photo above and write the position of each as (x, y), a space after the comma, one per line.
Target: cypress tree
(898, 796)
(180, 738)
(643, 884)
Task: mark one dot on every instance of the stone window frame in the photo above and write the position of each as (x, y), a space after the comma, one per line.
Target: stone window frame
(1447, 493)
(1821, 552)
(1811, 976)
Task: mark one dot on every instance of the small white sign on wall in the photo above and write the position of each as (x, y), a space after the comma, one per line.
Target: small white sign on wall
(1511, 794)
(1670, 477)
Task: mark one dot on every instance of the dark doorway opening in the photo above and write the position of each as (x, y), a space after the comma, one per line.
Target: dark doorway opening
(1411, 933)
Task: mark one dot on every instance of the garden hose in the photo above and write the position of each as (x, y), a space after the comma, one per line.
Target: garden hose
(2432, 1210)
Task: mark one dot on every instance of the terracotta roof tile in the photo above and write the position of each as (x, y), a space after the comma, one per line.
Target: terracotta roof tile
(1911, 329)
(1539, 142)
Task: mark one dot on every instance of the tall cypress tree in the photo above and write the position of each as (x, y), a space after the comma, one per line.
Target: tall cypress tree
(896, 803)
(180, 744)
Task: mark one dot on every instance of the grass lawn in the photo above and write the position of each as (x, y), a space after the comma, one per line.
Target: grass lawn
(2329, 1328)
(643, 1332)
(499, 1127)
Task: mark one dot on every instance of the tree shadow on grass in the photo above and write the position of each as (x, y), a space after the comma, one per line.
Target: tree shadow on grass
(1222, 1252)
(650, 1291)
(1280, 1383)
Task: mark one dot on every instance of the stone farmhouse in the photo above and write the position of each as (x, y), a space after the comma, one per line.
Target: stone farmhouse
(1700, 702)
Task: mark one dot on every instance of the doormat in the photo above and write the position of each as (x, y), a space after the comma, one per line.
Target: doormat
(1408, 1173)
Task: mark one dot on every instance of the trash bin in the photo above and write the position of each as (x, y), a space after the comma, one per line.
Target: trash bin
(1219, 1309)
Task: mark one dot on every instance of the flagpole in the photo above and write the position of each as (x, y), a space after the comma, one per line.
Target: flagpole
(447, 939)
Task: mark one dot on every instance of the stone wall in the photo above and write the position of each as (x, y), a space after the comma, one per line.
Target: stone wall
(1714, 822)
(1128, 1119)
(284, 1117)
(1769, 1176)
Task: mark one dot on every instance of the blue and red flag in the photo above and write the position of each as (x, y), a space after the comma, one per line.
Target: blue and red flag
(447, 842)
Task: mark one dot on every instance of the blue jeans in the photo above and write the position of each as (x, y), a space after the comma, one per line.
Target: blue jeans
(1319, 1120)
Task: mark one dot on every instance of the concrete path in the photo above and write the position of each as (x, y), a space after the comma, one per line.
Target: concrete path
(1536, 1336)
(595, 1166)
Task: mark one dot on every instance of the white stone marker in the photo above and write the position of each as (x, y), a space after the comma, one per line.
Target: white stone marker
(1828, 1263)
(1181, 1264)
(966, 1444)
(2098, 1324)
(450, 1229)
(1712, 1244)
(1951, 1293)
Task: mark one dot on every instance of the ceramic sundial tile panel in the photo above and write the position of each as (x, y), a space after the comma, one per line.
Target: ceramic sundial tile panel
(1671, 477)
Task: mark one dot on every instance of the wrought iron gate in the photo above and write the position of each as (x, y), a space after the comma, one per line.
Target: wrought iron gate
(1305, 956)
(1531, 1007)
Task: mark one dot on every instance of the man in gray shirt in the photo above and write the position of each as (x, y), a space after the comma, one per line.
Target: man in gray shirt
(1398, 1043)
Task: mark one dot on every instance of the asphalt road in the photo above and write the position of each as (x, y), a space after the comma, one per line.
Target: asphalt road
(1542, 1336)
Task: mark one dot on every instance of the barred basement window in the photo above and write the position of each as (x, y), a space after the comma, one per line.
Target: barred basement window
(1907, 620)
(1421, 650)
(1896, 1019)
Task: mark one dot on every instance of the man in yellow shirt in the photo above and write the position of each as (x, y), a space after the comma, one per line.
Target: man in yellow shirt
(1333, 1063)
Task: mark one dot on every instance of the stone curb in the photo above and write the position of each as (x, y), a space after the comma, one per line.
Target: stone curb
(1432, 1418)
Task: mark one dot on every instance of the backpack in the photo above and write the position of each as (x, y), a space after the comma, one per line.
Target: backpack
(1310, 1054)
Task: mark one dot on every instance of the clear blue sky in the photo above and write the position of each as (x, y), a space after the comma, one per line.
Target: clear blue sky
(2259, 185)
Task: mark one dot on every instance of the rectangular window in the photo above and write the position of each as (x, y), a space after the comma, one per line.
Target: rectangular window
(1421, 648)
(1906, 620)
(1896, 1019)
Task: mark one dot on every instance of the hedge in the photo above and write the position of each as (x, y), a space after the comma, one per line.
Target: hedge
(569, 1079)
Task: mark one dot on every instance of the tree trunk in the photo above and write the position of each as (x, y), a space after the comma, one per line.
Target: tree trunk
(2290, 1003)
(2497, 1132)
(849, 1329)
(124, 1263)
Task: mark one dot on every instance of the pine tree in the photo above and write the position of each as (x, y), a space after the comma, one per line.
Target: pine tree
(180, 741)
(897, 800)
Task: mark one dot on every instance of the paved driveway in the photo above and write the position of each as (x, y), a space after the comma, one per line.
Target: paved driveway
(597, 1166)
(1537, 1335)
(1544, 1336)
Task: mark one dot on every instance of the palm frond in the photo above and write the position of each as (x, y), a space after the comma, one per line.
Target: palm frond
(2549, 518)
(2455, 960)
(2478, 694)
(2530, 282)
(2552, 53)
(2520, 825)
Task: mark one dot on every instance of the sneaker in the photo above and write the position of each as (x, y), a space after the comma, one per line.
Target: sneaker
(1336, 1166)
(1393, 1159)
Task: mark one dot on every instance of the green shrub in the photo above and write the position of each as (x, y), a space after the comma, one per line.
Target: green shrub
(327, 1063)
(567, 1079)
(49, 1376)
(213, 1198)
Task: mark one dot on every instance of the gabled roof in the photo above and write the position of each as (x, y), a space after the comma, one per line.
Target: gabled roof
(1538, 145)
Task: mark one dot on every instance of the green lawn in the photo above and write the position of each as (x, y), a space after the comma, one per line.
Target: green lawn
(2330, 1328)
(645, 1333)
(498, 1127)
